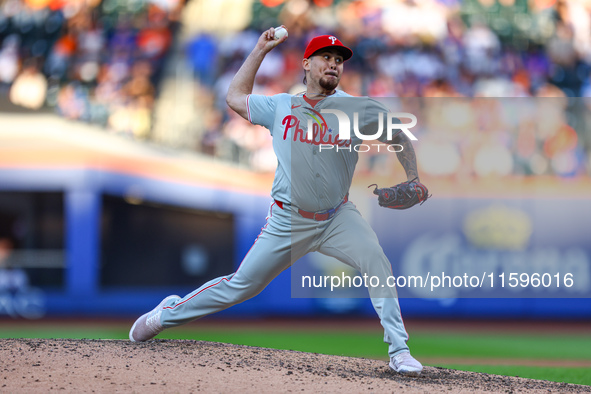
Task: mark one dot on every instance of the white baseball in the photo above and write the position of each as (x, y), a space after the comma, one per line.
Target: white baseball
(280, 32)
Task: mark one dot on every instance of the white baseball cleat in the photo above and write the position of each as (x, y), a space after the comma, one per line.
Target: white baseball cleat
(406, 364)
(148, 325)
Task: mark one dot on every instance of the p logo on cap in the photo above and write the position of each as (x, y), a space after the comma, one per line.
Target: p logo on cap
(327, 41)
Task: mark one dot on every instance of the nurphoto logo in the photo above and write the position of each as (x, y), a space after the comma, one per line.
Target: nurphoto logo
(345, 130)
(319, 133)
(345, 125)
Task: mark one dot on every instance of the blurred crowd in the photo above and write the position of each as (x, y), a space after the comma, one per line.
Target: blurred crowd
(92, 60)
(419, 48)
(102, 62)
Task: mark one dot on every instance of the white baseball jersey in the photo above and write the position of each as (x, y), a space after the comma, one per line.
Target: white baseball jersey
(313, 174)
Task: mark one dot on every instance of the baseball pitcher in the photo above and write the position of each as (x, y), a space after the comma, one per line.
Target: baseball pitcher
(310, 211)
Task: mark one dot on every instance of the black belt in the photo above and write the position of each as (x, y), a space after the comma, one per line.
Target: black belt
(319, 216)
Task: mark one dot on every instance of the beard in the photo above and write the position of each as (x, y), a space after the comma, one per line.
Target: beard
(328, 83)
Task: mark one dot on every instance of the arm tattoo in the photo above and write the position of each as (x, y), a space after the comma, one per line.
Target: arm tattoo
(407, 157)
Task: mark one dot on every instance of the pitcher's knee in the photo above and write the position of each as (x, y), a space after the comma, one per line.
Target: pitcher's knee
(244, 291)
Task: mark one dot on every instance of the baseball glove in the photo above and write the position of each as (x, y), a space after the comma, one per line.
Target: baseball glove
(402, 196)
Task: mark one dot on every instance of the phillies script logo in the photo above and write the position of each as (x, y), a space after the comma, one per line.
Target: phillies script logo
(318, 132)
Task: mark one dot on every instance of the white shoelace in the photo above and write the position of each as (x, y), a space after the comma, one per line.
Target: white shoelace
(153, 322)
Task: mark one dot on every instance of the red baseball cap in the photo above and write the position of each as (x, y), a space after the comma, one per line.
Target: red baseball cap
(327, 41)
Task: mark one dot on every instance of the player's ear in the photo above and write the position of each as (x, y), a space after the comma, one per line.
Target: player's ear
(306, 64)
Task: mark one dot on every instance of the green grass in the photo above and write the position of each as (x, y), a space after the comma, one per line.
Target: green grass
(555, 374)
(369, 344)
(503, 346)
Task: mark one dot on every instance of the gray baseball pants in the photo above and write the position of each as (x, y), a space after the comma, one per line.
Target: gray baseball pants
(284, 239)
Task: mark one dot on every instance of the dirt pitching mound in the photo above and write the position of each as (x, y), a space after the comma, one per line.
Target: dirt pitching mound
(46, 365)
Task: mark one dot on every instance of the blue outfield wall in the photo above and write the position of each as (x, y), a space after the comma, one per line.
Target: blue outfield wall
(445, 233)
